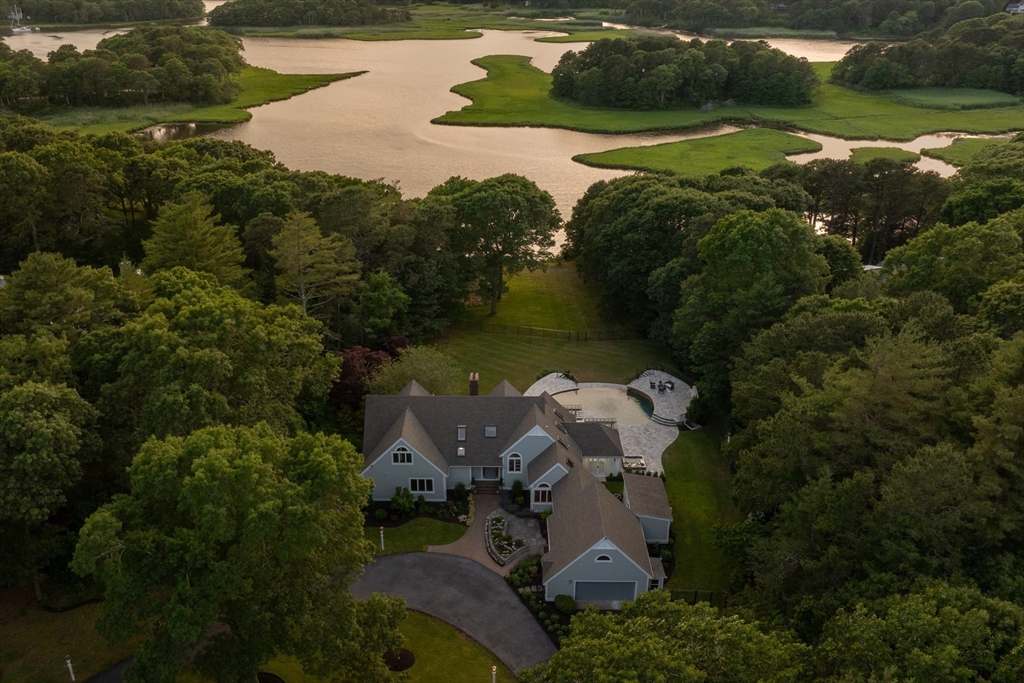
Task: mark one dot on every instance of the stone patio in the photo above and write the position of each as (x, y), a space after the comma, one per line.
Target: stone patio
(648, 440)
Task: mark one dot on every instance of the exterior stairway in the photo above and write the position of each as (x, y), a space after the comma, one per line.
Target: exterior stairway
(484, 487)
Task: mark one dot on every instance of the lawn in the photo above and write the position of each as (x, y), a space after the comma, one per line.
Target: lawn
(952, 98)
(554, 298)
(862, 155)
(515, 93)
(963, 150)
(697, 481)
(614, 486)
(33, 645)
(256, 87)
(415, 535)
(757, 148)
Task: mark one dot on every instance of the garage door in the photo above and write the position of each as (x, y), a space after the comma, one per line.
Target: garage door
(605, 590)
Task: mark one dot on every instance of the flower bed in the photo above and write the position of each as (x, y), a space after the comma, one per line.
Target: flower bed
(526, 579)
(500, 545)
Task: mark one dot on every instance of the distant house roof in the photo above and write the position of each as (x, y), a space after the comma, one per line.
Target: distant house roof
(414, 388)
(505, 389)
(647, 496)
(595, 438)
(585, 512)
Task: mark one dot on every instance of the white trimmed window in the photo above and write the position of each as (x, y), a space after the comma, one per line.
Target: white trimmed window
(515, 463)
(490, 431)
(542, 494)
(602, 558)
(421, 485)
(401, 456)
(461, 432)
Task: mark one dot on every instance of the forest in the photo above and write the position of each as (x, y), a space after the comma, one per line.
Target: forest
(305, 13)
(107, 11)
(884, 17)
(147, 64)
(657, 72)
(983, 53)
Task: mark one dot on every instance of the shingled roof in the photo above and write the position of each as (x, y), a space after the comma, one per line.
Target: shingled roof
(408, 428)
(595, 437)
(505, 389)
(585, 512)
(647, 496)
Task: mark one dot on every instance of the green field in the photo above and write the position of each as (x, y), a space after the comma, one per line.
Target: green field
(757, 148)
(555, 298)
(514, 93)
(697, 481)
(256, 87)
(34, 643)
(963, 150)
(862, 155)
(429, 22)
(952, 98)
(415, 535)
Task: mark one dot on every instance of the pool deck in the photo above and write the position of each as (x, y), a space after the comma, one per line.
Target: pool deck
(649, 439)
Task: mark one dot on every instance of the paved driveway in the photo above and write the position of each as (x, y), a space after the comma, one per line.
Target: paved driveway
(468, 596)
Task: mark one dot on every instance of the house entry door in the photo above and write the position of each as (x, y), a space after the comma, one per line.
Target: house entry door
(491, 473)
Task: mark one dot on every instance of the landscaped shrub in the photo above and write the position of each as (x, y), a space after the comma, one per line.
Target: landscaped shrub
(543, 616)
(460, 494)
(517, 489)
(381, 514)
(565, 604)
(402, 502)
(421, 505)
(546, 514)
(666, 555)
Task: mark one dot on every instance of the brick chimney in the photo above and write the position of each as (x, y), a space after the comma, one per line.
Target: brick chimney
(474, 384)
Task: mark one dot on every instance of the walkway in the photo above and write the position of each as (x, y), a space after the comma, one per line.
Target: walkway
(648, 440)
(466, 595)
(471, 545)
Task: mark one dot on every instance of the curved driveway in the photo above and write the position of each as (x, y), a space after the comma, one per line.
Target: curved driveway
(468, 596)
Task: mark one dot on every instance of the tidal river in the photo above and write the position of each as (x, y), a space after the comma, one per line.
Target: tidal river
(377, 125)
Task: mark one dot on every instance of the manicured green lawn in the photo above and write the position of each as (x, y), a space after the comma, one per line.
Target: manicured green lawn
(962, 150)
(614, 486)
(414, 535)
(865, 154)
(520, 359)
(757, 148)
(515, 93)
(952, 98)
(697, 481)
(33, 645)
(257, 86)
(554, 298)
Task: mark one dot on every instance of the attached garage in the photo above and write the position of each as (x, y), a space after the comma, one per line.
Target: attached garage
(605, 590)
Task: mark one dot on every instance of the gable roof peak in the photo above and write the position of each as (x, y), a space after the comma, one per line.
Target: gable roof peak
(414, 388)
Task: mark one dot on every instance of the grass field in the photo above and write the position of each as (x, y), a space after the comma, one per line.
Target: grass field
(256, 87)
(514, 93)
(862, 155)
(443, 653)
(415, 535)
(554, 298)
(952, 98)
(962, 150)
(697, 481)
(757, 148)
(34, 643)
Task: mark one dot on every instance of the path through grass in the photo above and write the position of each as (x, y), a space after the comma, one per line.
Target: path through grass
(757, 148)
(514, 93)
(697, 482)
(415, 535)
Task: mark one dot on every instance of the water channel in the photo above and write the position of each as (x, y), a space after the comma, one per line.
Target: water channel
(377, 125)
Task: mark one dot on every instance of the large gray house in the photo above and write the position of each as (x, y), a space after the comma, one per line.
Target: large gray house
(597, 550)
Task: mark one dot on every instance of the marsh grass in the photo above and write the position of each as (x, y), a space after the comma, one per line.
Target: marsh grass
(862, 155)
(952, 98)
(757, 148)
(963, 150)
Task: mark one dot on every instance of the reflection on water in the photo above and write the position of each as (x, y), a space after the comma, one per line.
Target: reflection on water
(165, 132)
(607, 402)
(41, 44)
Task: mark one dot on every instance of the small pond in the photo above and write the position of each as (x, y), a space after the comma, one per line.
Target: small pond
(611, 402)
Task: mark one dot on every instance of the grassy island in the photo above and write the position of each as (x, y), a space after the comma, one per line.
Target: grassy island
(963, 150)
(514, 93)
(757, 148)
(865, 154)
(256, 87)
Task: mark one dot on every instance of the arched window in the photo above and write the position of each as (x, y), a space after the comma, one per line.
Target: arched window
(401, 456)
(542, 494)
(515, 463)
(602, 558)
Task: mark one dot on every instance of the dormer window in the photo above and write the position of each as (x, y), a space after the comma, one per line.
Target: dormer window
(561, 428)
(490, 431)
(460, 451)
(462, 433)
(401, 456)
(602, 558)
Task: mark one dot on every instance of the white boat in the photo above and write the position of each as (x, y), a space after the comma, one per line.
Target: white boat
(16, 17)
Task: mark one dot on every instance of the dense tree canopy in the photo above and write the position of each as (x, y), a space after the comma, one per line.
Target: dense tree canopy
(165, 63)
(115, 11)
(304, 13)
(252, 535)
(976, 53)
(655, 72)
